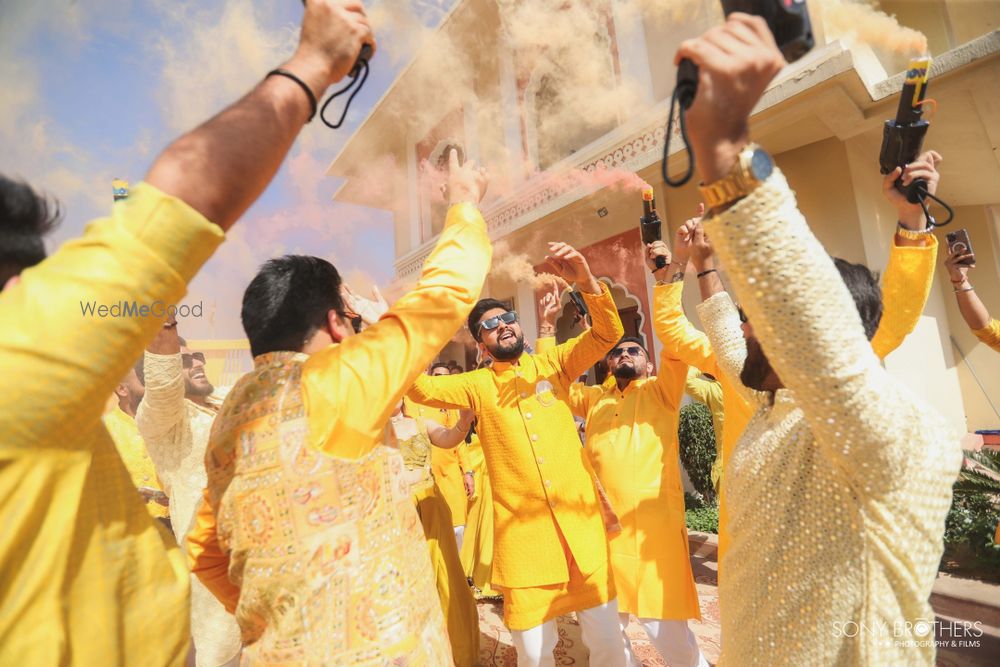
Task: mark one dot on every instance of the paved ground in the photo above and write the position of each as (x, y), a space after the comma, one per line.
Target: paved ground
(496, 649)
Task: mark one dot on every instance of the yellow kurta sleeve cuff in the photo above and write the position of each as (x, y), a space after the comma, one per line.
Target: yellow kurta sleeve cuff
(990, 334)
(181, 236)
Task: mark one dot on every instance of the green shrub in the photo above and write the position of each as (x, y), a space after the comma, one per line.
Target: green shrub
(697, 444)
(970, 526)
(975, 510)
(703, 519)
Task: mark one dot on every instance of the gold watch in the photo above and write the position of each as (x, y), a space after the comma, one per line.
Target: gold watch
(753, 166)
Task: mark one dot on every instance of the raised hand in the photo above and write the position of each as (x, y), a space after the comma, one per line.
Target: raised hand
(333, 33)
(550, 309)
(467, 183)
(702, 252)
(924, 167)
(736, 62)
(958, 272)
(369, 310)
(684, 238)
(571, 266)
(654, 250)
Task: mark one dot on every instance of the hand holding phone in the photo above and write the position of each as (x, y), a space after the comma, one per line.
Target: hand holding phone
(960, 247)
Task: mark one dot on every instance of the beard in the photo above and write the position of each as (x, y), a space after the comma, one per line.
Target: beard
(756, 368)
(203, 388)
(626, 372)
(508, 350)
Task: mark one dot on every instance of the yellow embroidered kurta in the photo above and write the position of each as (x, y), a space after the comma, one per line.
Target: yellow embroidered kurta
(86, 577)
(990, 334)
(542, 482)
(838, 491)
(457, 603)
(308, 530)
(632, 442)
(128, 442)
(176, 432)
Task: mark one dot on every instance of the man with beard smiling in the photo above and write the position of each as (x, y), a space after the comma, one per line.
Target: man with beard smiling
(632, 442)
(175, 419)
(550, 548)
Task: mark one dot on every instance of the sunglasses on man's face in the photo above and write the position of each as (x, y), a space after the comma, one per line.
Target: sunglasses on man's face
(188, 359)
(743, 316)
(492, 323)
(632, 350)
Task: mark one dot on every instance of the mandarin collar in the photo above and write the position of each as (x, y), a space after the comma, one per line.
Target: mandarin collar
(278, 358)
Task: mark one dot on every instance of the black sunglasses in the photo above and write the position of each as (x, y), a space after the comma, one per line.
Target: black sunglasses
(492, 323)
(743, 316)
(188, 359)
(633, 351)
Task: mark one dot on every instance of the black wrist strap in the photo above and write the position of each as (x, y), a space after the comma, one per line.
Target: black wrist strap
(706, 272)
(313, 104)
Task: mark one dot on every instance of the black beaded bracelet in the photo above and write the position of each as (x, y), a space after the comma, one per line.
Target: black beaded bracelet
(313, 104)
(706, 272)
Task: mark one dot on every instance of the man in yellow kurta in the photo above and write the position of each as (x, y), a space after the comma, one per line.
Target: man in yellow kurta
(86, 576)
(632, 441)
(550, 549)
(308, 530)
(120, 423)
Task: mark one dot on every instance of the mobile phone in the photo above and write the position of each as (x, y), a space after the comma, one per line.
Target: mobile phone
(959, 242)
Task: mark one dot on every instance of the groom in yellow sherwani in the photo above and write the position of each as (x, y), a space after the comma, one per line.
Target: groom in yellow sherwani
(632, 443)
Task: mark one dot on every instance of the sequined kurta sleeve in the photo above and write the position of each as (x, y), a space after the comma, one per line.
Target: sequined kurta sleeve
(838, 489)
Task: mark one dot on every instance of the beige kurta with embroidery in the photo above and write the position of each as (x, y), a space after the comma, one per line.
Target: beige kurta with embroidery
(839, 487)
(176, 433)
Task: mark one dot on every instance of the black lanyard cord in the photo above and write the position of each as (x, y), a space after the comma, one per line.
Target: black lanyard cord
(358, 76)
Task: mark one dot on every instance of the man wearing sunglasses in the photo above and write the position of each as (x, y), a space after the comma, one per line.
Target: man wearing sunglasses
(175, 419)
(631, 425)
(550, 550)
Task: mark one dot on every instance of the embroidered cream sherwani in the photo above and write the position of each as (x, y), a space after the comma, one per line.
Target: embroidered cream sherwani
(176, 433)
(839, 490)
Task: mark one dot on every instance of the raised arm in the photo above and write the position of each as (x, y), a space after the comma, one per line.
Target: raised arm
(352, 388)
(799, 306)
(447, 391)
(910, 273)
(221, 167)
(162, 407)
(575, 356)
(970, 305)
(154, 242)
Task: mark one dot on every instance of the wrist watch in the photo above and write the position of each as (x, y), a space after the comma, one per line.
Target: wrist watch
(753, 166)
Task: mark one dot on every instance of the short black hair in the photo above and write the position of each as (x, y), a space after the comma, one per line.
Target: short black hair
(25, 218)
(140, 370)
(438, 364)
(862, 283)
(287, 301)
(631, 339)
(483, 306)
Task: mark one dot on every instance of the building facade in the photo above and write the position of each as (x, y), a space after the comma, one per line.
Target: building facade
(560, 176)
